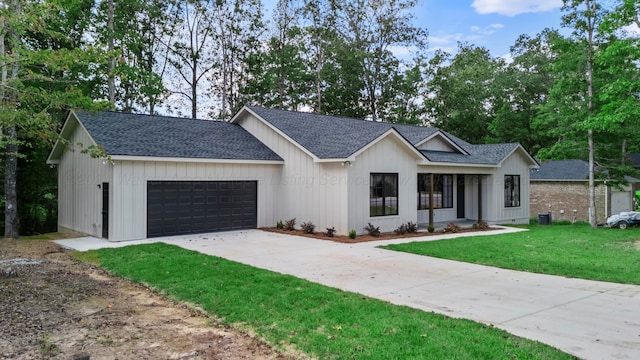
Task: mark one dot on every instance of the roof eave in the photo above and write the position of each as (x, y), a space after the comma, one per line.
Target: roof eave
(194, 160)
(445, 163)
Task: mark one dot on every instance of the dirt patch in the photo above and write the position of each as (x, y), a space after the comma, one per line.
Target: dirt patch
(55, 307)
(365, 238)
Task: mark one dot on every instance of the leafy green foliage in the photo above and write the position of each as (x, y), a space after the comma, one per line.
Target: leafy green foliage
(352, 234)
(462, 86)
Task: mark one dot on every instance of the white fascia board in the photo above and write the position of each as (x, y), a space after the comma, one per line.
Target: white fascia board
(452, 164)
(446, 138)
(59, 142)
(194, 160)
(391, 132)
(236, 119)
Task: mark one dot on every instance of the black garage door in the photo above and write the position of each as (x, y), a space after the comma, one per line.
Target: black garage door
(191, 207)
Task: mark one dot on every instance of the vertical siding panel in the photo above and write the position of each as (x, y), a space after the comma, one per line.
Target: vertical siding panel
(80, 206)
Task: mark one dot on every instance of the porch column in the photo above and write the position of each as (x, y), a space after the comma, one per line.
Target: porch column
(479, 198)
(431, 199)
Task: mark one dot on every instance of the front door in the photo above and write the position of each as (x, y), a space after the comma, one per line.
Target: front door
(460, 200)
(105, 210)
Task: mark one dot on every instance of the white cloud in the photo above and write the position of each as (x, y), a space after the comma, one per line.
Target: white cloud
(445, 38)
(514, 7)
(487, 30)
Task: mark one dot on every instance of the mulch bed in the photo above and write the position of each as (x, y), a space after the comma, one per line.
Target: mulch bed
(364, 238)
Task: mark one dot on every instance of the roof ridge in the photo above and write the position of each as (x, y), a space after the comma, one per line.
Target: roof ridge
(120, 113)
(343, 117)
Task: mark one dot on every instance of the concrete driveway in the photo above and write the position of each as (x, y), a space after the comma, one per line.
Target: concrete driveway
(590, 319)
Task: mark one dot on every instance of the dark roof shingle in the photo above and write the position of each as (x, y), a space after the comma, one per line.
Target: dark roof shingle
(561, 170)
(331, 137)
(164, 136)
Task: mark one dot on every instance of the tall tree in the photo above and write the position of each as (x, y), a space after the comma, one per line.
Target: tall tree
(461, 97)
(238, 28)
(584, 17)
(46, 80)
(132, 31)
(522, 87)
(279, 74)
(191, 51)
(372, 29)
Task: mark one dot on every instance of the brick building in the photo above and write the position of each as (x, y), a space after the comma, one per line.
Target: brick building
(562, 188)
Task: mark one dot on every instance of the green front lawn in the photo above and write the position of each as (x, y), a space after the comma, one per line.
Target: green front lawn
(573, 250)
(318, 320)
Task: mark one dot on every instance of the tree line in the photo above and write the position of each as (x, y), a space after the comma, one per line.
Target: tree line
(560, 96)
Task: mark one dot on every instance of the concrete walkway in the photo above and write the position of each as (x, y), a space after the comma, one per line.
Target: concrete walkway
(590, 319)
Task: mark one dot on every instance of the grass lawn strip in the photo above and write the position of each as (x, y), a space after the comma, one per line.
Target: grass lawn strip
(321, 321)
(574, 250)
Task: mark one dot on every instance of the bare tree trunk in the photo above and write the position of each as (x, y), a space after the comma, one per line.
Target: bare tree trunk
(11, 220)
(592, 185)
(194, 90)
(112, 61)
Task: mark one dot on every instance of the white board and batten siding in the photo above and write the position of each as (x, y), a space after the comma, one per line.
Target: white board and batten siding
(389, 155)
(129, 195)
(437, 143)
(79, 196)
(308, 190)
(515, 164)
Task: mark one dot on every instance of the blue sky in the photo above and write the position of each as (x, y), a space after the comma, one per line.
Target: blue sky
(494, 24)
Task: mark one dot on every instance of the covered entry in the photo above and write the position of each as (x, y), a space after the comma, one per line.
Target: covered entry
(191, 207)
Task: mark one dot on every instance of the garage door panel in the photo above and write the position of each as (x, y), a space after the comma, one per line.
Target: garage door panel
(187, 207)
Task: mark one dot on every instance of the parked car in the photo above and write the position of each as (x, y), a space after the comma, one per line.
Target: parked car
(624, 219)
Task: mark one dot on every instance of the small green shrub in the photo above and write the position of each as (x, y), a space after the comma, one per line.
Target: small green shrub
(352, 234)
(431, 229)
(372, 230)
(279, 224)
(452, 228)
(482, 225)
(401, 230)
(330, 232)
(290, 225)
(412, 227)
(308, 227)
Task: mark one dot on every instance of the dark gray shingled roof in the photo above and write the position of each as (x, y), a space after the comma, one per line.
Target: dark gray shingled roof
(562, 170)
(567, 170)
(164, 136)
(491, 154)
(333, 137)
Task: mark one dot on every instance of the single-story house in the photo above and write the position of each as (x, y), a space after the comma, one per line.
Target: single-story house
(561, 187)
(155, 176)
